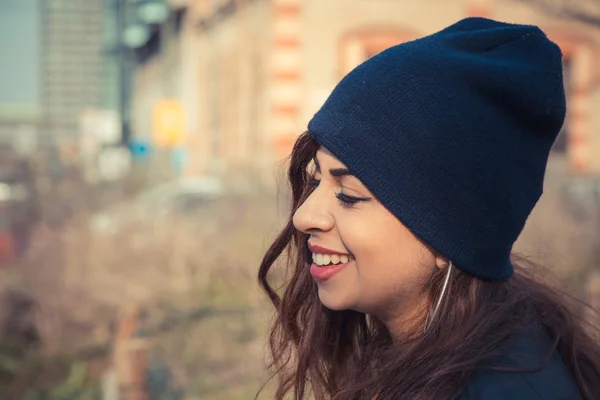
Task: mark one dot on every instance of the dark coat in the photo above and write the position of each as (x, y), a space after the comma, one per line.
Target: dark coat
(552, 382)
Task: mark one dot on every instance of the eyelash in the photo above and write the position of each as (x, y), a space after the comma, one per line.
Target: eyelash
(345, 200)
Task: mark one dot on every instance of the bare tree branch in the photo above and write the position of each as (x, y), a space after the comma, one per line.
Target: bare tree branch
(573, 10)
(103, 349)
(165, 326)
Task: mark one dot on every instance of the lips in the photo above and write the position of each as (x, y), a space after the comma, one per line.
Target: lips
(322, 250)
(321, 269)
(321, 273)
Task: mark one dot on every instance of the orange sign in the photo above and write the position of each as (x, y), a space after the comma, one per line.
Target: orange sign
(285, 144)
(168, 123)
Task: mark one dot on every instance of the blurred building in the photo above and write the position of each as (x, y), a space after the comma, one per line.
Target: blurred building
(53, 69)
(251, 73)
(72, 64)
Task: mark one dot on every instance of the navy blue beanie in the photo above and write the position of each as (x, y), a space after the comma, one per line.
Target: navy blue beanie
(452, 133)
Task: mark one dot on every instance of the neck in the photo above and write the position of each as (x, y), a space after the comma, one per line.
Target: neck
(407, 324)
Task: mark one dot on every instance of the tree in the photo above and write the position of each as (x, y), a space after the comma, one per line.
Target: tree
(584, 11)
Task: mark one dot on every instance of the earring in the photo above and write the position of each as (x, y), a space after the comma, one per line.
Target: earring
(430, 317)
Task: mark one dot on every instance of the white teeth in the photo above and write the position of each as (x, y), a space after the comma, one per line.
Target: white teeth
(325, 259)
(319, 259)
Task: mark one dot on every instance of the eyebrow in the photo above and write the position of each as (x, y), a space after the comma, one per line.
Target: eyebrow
(336, 172)
(340, 172)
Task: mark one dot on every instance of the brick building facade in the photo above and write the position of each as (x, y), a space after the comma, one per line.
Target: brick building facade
(252, 72)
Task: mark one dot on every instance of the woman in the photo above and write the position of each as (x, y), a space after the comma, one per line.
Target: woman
(409, 190)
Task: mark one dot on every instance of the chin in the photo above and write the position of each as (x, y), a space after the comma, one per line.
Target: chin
(336, 301)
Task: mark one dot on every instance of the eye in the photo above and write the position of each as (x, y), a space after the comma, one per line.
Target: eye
(313, 182)
(349, 201)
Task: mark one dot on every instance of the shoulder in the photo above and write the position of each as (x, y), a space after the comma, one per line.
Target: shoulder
(553, 381)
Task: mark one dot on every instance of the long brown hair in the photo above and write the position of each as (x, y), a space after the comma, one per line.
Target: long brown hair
(323, 354)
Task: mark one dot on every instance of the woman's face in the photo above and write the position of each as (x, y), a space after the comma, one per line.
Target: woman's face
(381, 267)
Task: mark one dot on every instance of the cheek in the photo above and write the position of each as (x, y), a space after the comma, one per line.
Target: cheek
(388, 257)
(378, 238)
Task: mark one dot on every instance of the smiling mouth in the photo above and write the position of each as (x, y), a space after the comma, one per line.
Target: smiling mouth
(324, 260)
(325, 266)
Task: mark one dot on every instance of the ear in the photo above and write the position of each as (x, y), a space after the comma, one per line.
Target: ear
(441, 262)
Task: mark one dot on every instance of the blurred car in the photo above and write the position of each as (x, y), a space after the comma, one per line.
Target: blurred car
(179, 198)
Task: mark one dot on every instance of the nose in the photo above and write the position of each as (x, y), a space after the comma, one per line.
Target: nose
(313, 215)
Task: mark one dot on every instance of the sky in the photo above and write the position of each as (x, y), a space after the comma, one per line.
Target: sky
(20, 53)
